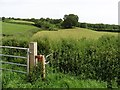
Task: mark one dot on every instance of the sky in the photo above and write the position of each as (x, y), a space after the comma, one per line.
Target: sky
(90, 11)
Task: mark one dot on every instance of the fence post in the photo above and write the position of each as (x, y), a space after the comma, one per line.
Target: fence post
(33, 53)
(43, 68)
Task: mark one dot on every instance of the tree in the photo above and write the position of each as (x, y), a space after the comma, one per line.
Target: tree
(32, 19)
(70, 21)
(56, 21)
(3, 19)
(45, 25)
(83, 25)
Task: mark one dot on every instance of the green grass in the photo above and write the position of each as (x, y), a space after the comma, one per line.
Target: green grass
(53, 80)
(10, 29)
(76, 33)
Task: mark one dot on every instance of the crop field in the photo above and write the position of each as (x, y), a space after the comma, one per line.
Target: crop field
(9, 28)
(77, 33)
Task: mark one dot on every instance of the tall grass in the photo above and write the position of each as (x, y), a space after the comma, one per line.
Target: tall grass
(76, 34)
(53, 80)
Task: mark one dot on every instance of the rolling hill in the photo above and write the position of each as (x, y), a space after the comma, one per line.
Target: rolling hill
(76, 33)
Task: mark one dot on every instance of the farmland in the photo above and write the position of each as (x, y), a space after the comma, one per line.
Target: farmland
(10, 29)
(76, 33)
(14, 27)
(81, 58)
(21, 22)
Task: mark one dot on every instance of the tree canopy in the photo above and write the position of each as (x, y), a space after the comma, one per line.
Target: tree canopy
(70, 21)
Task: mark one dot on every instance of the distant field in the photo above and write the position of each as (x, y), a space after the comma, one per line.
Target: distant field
(21, 21)
(77, 33)
(9, 28)
(0, 26)
(0, 30)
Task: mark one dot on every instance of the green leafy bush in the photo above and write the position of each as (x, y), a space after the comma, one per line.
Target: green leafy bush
(45, 25)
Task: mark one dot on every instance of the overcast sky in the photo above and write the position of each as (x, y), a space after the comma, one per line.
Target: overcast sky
(91, 11)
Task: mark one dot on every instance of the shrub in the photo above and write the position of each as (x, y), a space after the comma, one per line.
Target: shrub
(45, 25)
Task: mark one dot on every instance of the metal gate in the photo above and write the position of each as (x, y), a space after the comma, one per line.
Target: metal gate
(13, 56)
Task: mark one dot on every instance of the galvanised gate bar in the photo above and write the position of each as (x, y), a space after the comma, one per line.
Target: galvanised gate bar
(22, 57)
(32, 59)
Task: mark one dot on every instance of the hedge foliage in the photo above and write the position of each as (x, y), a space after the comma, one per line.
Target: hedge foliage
(88, 59)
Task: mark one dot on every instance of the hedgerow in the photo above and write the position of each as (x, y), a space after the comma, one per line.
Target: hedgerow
(98, 59)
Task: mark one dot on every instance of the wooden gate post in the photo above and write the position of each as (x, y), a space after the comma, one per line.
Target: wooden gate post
(41, 60)
(33, 53)
(43, 68)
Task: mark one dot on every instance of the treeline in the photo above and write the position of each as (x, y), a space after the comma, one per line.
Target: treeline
(68, 21)
(48, 24)
(43, 23)
(100, 27)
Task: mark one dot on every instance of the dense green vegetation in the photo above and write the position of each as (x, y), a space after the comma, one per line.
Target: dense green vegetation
(53, 80)
(81, 58)
(70, 21)
(87, 59)
(100, 27)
